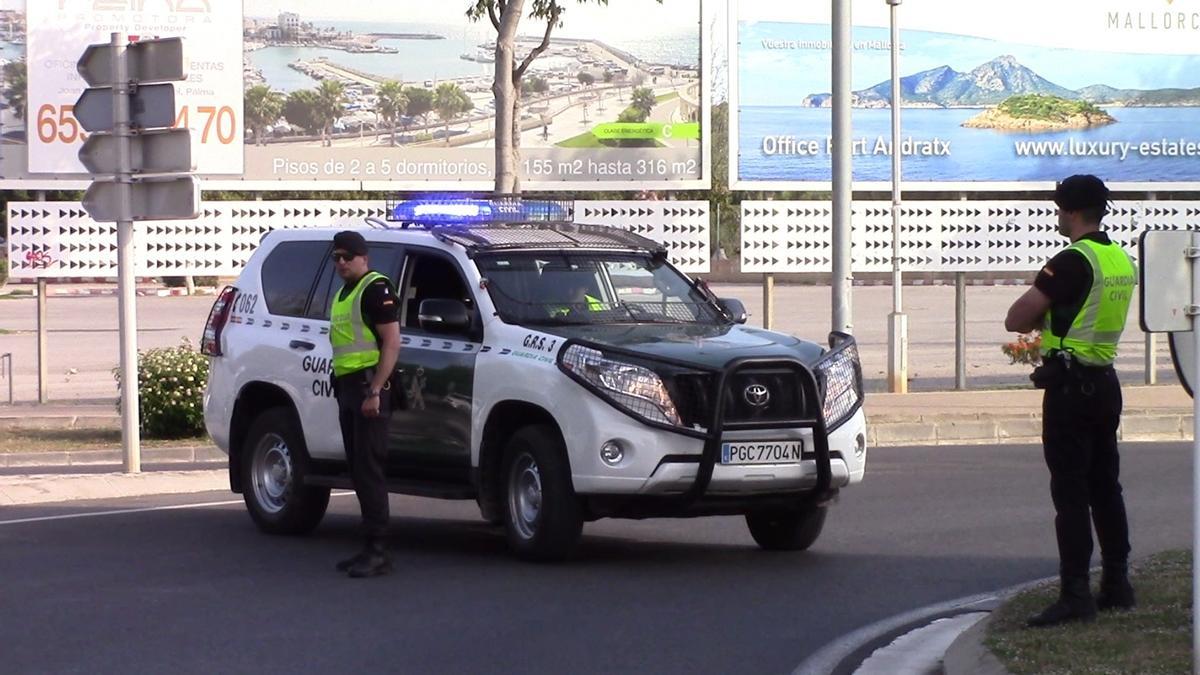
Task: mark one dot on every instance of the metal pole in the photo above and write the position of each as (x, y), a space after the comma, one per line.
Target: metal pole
(843, 275)
(897, 321)
(1195, 459)
(960, 331)
(1150, 357)
(43, 330)
(127, 308)
(768, 301)
(42, 342)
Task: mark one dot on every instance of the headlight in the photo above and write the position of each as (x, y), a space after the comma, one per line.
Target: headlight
(842, 375)
(633, 388)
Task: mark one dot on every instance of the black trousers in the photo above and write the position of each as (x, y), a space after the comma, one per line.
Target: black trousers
(366, 449)
(1079, 439)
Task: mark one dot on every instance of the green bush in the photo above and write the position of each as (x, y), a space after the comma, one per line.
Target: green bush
(3, 270)
(171, 388)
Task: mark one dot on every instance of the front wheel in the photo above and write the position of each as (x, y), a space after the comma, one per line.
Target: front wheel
(542, 516)
(787, 530)
(274, 463)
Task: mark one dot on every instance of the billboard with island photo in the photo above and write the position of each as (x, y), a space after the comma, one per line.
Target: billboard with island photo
(1008, 95)
(361, 94)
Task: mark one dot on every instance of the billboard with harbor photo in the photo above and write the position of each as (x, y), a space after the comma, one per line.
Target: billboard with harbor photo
(396, 95)
(1009, 96)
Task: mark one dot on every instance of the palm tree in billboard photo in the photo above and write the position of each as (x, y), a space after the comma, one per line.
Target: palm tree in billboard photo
(16, 85)
(420, 103)
(263, 108)
(392, 105)
(450, 101)
(301, 109)
(331, 97)
(644, 101)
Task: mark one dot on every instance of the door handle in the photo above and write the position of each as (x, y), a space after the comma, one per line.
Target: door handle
(302, 344)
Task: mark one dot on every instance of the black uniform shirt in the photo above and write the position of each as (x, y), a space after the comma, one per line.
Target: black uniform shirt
(379, 304)
(1066, 280)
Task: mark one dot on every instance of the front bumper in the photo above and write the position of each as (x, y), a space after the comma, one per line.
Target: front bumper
(678, 470)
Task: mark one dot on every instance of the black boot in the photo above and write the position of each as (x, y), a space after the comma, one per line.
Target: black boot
(345, 565)
(1074, 603)
(374, 561)
(1116, 593)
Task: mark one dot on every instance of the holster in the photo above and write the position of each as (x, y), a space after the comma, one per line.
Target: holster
(1054, 370)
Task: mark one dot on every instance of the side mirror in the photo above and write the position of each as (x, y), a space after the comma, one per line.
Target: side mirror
(734, 309)
(438, 315)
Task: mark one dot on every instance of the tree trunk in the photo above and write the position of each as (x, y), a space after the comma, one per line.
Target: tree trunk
(516, 140)
(505, 92)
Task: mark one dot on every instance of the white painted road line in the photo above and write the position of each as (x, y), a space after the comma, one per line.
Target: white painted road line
(121, 512)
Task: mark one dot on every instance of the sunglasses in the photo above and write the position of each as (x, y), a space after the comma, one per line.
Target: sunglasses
(343, 257)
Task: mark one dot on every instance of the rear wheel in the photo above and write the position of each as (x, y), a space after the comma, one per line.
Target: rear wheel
(274, 463)
(542, 515)
(787, 530)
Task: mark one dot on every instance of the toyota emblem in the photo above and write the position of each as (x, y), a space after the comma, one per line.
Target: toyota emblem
(757, 395)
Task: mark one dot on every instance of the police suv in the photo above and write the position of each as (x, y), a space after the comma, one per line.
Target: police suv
(553, 372)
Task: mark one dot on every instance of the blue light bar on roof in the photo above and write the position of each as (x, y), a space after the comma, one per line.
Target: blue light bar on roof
(469, 211)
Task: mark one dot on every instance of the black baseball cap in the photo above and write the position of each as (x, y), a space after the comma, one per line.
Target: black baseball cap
(350, 242)
(1082, 191)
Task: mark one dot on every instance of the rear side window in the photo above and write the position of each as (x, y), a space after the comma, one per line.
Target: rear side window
(288, 274)
(384, 258)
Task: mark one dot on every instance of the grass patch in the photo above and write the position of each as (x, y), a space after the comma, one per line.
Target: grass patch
(1154, 638)
(666, 97)
(584, 140)
(587, 140)
(61, 440)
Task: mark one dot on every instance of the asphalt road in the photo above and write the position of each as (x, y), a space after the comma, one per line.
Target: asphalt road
(200, 590)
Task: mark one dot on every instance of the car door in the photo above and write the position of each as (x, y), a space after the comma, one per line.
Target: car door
(318, 408)
(431, 439)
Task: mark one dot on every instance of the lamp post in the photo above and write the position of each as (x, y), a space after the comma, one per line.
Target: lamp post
(897, 320)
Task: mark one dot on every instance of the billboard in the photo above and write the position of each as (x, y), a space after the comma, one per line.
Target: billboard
(1008, 96)
(360, 94)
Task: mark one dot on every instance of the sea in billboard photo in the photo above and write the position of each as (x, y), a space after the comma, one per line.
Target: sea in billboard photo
(975, 110)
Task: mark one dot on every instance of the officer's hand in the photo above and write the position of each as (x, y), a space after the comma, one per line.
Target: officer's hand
(370, 406)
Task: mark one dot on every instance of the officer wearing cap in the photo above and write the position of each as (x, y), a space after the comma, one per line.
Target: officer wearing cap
(365, 335)
(1080, 301)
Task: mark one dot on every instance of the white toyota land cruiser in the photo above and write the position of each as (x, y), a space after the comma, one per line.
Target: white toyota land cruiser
(555, 373)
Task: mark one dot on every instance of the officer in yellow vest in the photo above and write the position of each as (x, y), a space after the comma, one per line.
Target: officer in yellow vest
(1080, 301)
(365, 335)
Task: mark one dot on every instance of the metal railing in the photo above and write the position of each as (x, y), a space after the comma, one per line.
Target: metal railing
(6, 372)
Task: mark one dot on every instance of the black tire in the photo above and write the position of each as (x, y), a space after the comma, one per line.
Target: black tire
(788, 530)
(535, 461)
(274, 463)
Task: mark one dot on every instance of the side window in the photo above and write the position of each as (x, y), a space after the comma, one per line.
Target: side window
(430, 276)
(384, 258)
(288, 273)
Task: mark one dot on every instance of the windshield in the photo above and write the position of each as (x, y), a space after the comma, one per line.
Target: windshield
(592, 288)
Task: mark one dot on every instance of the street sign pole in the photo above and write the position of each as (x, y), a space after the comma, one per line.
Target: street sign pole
(128, 117)
(898, 320)
(130, 431)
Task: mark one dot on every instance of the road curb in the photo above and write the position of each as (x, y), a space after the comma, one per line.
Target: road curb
(171, 455)
(968, 656)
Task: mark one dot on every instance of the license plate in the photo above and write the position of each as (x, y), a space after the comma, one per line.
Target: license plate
(762, 452)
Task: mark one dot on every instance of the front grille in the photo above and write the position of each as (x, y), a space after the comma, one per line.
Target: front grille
(785, 400)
